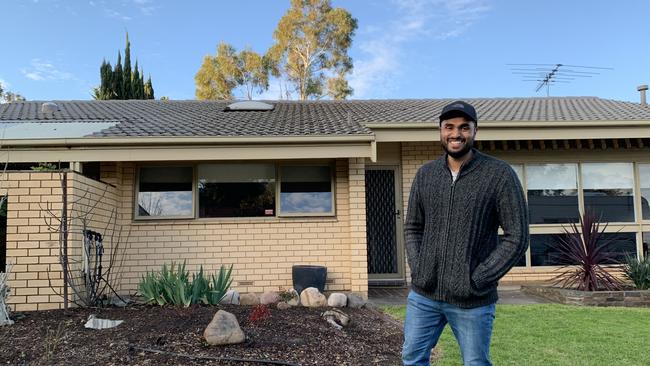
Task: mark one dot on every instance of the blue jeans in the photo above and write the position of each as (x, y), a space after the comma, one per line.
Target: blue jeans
(425, 320)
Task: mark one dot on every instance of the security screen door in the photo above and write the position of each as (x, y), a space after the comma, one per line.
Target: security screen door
(384, 230)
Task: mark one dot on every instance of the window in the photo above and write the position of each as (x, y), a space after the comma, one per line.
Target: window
(519, 169)
(608, 190)
(646, 243)
(306, 190)
(552, 193)
(619, 246)
(236, 190)
(165, 192)
(644, 180)
(543, 252)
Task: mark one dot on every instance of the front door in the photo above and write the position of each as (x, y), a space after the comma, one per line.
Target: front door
(384, 232)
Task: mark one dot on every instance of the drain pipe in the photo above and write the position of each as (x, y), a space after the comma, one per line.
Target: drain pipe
(642, 89)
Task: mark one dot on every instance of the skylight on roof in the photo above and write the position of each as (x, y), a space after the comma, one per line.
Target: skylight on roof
(249, 105)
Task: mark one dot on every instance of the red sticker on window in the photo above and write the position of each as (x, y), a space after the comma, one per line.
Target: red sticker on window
(268, 212)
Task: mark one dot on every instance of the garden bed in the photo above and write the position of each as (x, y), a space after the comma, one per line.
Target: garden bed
(629, 298)
(297, 335)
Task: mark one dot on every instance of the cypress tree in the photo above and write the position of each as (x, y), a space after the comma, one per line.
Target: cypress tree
(126, 71)
(118, 78)
(148, 89)
(135, 83)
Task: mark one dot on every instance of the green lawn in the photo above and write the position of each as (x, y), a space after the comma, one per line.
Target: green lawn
(552, 334)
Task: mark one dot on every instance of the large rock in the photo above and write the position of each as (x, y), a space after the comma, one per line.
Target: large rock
(249, 299)
(291, 297)
(282, 305)
(356, 301)
(232, 297)
(311, 297)
(269, 297)
(223, 329)
(337, 300)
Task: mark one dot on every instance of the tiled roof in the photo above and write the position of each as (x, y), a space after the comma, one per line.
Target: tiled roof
(308, 118)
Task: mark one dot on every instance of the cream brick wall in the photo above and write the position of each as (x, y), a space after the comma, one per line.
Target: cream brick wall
(34, 204)
(414, 154)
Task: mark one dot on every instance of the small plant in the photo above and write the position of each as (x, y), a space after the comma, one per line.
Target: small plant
(5, 291)
(259, 314)
(638, 271)
(44, 167)
(173, 286)
(287, 295)
(53, 338)
(582, 251)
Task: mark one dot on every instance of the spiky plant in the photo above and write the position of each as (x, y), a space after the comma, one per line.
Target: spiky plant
(583, 249)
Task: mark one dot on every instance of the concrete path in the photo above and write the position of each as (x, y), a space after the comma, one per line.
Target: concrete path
(508, 294)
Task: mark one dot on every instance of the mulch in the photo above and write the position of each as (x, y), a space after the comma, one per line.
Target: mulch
(295, 336)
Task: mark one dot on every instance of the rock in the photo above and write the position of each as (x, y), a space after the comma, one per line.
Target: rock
(249, 299)
(295, 298)
(232, 297)
(337, 300)
(269, 297)
(356, 301)
(311, 297)
(283, 305)
(336, 318)
(223, 329)
(97, 323)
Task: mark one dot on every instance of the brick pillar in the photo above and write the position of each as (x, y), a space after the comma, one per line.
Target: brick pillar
(358, 246)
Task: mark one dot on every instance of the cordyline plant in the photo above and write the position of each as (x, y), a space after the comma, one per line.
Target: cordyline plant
(583, 250)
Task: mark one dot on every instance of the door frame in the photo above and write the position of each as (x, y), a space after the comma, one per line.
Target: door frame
(399, 277)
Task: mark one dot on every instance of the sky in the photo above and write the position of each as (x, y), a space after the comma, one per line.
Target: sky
(402, 49)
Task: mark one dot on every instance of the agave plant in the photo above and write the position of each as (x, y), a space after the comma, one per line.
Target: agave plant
(583, 250)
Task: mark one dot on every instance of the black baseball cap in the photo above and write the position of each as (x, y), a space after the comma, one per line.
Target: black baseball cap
(458, 109)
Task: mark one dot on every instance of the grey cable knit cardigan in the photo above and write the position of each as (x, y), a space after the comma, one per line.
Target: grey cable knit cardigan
(451, 229)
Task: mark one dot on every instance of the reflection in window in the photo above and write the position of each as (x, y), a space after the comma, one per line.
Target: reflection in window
(619, 246)
(644, 179)
(165, 192)
(232, 190)
(306, 189)
(543, 252)
(608, 190)
(519, 169)
(552, 193)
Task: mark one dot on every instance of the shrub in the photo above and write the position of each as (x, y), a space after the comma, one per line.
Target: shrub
(583, 251)
(638, 271)
(173, 286)
(259, 314)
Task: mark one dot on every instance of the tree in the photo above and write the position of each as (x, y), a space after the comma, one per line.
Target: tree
(121, 81)
(8, 97)
(311, 49)
(219, 75)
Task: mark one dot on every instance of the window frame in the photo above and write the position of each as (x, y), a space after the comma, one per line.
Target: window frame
(136, 191)
(278, 204)
(331, 163)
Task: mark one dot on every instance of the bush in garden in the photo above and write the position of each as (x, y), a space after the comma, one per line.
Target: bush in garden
(638, 271)
(173, 286)
(259, 314)
(583, 250)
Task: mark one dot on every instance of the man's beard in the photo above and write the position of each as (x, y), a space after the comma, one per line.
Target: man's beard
(460, 153)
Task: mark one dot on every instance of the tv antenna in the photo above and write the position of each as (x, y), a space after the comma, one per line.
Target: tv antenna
(546, 74)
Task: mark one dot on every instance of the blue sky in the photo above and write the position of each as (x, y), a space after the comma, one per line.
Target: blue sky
(52, 49)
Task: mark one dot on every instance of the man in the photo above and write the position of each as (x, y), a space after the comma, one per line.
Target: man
(456, 206)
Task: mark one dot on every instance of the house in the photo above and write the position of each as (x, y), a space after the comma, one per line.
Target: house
(269, 185)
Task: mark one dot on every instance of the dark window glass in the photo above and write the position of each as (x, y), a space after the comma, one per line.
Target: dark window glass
(306, 189)
(644, 179)
(92, 170)
(552, 193)
(619, 246)
(231, 190)
(608, 190)
(646, 244)
(165, 191)
(543, 252)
